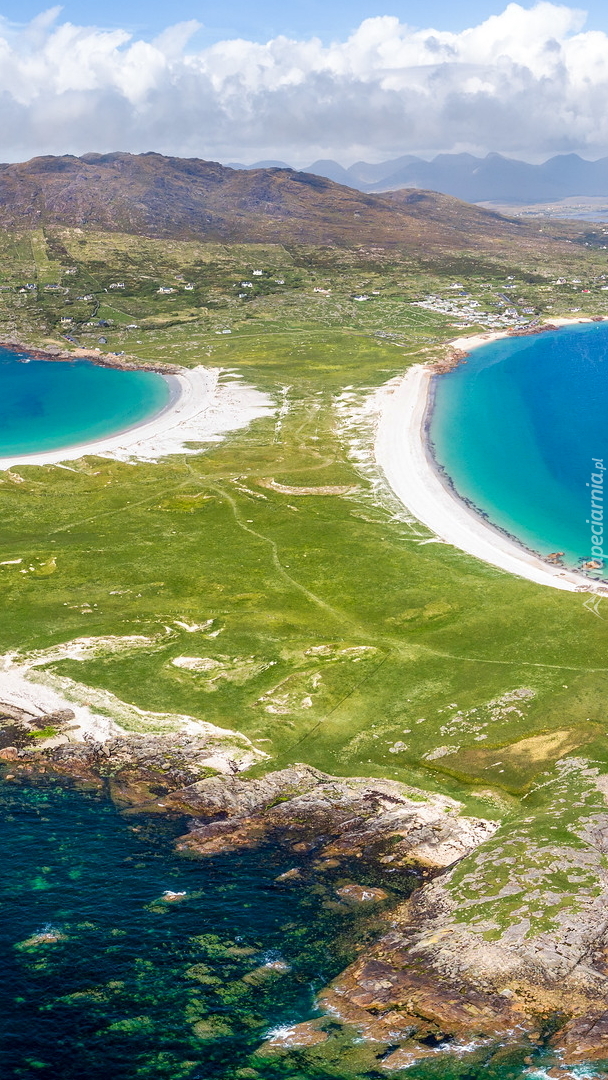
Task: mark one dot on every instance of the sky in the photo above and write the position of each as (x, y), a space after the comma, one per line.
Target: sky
(259, 20)
(368, 79)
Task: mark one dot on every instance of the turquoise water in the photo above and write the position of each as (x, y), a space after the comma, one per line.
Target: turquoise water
(521, 429)
(50, 405)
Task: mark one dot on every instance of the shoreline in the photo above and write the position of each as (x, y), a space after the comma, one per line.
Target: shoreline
(95, 356)
(201, 408)
(463, 345)
(403, 454)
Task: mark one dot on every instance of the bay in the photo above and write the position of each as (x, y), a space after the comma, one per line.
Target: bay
(521, 431)
(48, 405)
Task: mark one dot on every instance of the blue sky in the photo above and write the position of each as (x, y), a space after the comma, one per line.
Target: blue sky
(259, 20)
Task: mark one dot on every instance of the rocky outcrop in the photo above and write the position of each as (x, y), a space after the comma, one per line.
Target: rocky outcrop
(510, 944)
(137, 768)
(96, 356)
(334, 817)
(19, 726)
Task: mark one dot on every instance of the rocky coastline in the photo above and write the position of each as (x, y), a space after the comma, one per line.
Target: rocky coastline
(452, 359)
(95, 356)
(445, 973)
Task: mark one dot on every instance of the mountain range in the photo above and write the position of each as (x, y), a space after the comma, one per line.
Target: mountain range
(493, 178)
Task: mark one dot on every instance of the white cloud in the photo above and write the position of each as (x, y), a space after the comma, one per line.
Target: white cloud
(528, 82)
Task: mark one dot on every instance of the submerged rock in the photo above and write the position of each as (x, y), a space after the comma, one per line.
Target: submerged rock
(213, 1027)
(49, 936)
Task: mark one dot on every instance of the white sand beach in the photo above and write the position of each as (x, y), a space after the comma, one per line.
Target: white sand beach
(465, 344)
(202, 409)
(405, 459)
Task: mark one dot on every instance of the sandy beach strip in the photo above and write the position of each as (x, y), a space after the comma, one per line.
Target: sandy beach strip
(202, 408)
(404, 457)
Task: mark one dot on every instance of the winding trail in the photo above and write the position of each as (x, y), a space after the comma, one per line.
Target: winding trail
(274, 551)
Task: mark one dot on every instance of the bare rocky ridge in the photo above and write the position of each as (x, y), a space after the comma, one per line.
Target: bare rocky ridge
(189, 198)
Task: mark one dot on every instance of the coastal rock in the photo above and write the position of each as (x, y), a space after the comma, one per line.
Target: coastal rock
(510, 944)
(230, 797)
(360, 894)
(339, 817)
(140, 768)
(9, 753)
(409, 1055)
(114, 360)
(19, 725)
(290, 875)
(298, 1035)
(584, 1040)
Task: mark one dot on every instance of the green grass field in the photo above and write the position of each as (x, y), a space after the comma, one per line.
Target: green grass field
(339, 638)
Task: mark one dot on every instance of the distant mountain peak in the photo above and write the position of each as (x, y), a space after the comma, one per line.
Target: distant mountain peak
(493, 178)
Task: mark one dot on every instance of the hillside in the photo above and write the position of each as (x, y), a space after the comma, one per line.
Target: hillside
(188, 198)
